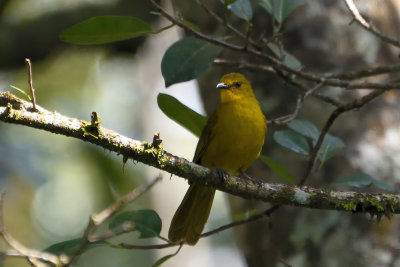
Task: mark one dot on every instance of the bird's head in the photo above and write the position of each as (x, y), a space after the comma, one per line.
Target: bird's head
(234, 86)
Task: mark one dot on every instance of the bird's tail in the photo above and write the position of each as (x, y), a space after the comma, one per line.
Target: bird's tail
(192, 214)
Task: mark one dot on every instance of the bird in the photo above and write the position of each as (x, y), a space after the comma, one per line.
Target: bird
(231, 141)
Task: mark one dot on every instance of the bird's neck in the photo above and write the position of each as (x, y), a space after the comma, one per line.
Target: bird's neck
(229, 97)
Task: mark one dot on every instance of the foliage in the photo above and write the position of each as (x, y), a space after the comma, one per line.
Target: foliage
(189, 58)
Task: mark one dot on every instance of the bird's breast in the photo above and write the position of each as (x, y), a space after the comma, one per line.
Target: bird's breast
(239, 136)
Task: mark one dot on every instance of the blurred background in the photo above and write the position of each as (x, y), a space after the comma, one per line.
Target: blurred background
(53, 183)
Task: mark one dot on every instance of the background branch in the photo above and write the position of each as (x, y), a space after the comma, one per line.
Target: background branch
(35, 257)
(360, 20)
(275, 62)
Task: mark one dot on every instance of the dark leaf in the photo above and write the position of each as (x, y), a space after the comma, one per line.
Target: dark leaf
(305, 128)
(146, 222)
(293, 141)
(105, 29)
(287, 58)
(165, 258)
(71, 246)
(330, 146)
(187, 59)
(280, 8)
(361, 180)
(242, 9)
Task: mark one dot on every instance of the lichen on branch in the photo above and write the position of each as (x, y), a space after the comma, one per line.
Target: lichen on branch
(17, 111)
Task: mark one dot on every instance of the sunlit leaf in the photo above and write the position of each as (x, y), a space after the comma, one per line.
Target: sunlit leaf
(187, 59)
(361, 180)
(280, 8)
(293, 141)
(21, 91)
(181, 114)
(146, 222)
(105, 29)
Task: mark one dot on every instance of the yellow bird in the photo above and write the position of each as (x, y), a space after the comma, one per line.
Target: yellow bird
(231, 140)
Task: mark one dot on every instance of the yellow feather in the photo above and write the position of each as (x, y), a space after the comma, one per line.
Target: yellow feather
(231, 140)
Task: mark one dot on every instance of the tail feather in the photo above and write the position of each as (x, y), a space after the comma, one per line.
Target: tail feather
(191, 216)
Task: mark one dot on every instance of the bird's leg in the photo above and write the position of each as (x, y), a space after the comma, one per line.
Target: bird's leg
(245, 175)
(221, 174)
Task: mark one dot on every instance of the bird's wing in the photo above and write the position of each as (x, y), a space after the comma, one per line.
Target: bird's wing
(206, 136)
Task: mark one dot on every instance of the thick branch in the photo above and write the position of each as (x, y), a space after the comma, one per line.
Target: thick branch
(17, 111)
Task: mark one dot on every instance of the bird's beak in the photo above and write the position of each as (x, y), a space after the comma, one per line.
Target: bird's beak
(222, 86)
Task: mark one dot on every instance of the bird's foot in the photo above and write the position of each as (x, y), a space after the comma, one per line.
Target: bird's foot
(222, 174)
(245, 175)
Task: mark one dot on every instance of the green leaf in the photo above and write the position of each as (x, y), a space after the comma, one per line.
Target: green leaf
(186, 59)
(105, 29)
(191, 25)
(293, 141)
(279, 169)
(165, 258)
(242, 9)
(287, 58)
(228, 2)
(147, 222)
(181, 114)
(361, 180)
(71, 246)
(21, 91)
(330, 146)
(383, 185)
(244, 215)
(305, 128)
(280, 8)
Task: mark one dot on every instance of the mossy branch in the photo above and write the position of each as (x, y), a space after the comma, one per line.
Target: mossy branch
(17, 111)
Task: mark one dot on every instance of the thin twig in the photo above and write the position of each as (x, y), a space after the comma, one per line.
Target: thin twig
(287, 118)
(35, 257)
(252, 218)
(100, 217)
(369, 27)
(220, 20)
(160, 246)
(313, 157)
(30, 82)
(276, 63)
(196, 33)
(356, 104)
(122, 229)
(354, 75)
(287, 77)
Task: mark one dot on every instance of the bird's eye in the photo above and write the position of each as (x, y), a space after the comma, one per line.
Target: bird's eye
(238, 84)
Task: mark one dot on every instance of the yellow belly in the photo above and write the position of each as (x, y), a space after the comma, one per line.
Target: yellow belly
(238, 136)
